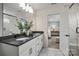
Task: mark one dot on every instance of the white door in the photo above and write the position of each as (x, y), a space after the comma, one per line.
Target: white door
(64, 33)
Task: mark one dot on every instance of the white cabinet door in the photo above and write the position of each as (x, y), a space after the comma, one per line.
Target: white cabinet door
(28, 52)
(27, 48)
(39, 44)
(24, 48)
(31, 48)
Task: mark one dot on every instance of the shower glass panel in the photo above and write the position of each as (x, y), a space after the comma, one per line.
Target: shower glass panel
(74, 31)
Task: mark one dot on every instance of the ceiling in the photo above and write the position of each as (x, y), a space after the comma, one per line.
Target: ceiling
(54, 18)
(40, 6)
(35, 6)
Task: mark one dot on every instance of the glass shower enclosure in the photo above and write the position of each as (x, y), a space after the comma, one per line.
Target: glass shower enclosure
(74, 30)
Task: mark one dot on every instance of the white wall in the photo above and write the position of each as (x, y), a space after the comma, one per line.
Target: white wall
(73, 25)
(78, 23)
(0, 19)
(0, 23)
(73, 21)
(64, 30)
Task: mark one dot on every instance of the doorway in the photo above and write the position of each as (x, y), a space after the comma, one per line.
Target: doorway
(53, 31)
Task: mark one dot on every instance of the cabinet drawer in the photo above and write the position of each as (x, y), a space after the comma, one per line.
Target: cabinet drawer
(39, 45)
(29, 52)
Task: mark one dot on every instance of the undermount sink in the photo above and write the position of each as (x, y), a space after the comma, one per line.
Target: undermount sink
(24, 38)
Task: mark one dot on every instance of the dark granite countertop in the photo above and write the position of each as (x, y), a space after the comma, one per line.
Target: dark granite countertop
(13, 39)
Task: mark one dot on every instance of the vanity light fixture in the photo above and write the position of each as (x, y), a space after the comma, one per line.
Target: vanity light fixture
(22, 5)
(27, 7)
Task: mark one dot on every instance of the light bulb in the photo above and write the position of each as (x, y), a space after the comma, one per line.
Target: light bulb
(30, 10)
(27, 7)
(21, 4)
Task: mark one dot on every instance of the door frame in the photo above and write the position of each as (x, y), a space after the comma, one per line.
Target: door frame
(47, 25)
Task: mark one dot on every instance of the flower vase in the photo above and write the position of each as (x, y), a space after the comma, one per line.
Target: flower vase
(28, 33)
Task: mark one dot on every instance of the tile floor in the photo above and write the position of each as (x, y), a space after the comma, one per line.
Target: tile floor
(50, 52)
(52, 43)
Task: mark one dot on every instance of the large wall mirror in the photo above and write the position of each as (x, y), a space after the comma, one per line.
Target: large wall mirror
(9, 25)
(12, 11)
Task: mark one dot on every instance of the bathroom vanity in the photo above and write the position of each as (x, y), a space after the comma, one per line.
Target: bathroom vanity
(22, 45)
